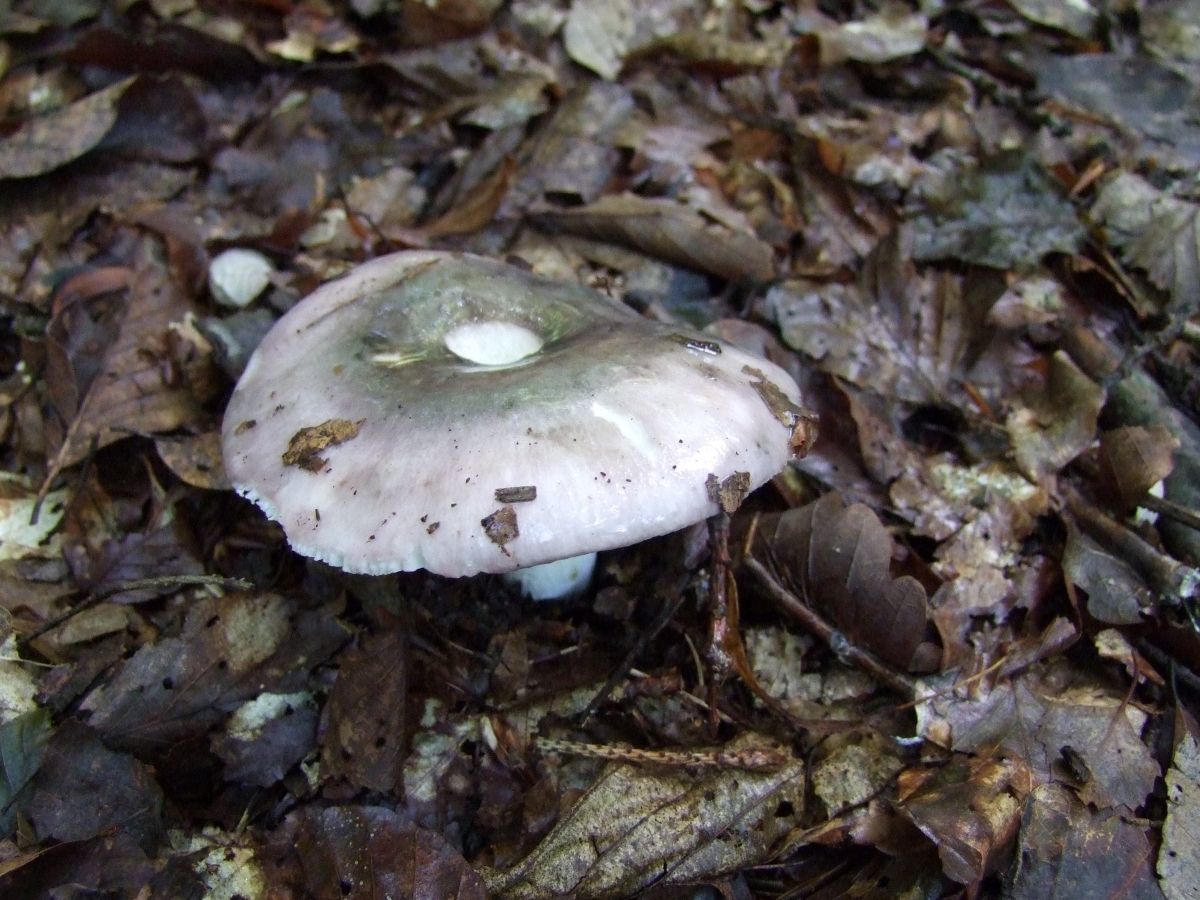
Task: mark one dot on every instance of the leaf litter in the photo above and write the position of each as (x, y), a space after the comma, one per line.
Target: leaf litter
(953, 649)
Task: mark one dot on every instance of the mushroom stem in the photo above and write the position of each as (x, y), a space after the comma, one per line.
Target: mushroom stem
(555, 580)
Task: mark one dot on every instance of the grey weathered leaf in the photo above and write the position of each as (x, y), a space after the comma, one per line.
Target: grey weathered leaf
(1179, 856)
(599, 33)
(22, 740)
(1154, 231)
(638, 826)
(1006, 214)
(1057, 421)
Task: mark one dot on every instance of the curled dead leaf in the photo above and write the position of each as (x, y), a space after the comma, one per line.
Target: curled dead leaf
(838, 557)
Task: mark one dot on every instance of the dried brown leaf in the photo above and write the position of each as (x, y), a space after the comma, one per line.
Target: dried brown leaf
(970, 809)
(471, 214)
(1135, 458)
(196, 459)
(55, 139)
(366, 852)
(1068, 850)
(230, 650)
(115, 359)
(670, 231)
(363, 723)
(839, 557)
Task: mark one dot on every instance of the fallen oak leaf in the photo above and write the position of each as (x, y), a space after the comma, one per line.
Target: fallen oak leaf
(839, 558)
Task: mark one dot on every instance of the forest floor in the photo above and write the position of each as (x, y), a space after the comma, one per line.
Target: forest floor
(952, 651)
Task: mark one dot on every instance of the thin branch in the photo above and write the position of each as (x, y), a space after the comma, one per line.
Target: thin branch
(836, 640)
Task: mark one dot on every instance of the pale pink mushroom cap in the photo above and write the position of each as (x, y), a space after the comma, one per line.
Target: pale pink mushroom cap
(617, 422)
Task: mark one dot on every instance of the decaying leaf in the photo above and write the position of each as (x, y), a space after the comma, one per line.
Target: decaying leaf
(1135, 458)
(43, 144)
(636, 827)
(852, 769)
(364, 852)
(839, 557)
(893, 33)
(196, 459)
(1078, 18)
(893, 332)
(1155, 231)
(122, 792)
(1116, 593)
(1057, 421)
(1068, 849)
(671, 231)
(1179, 856)
(1002, 215)
(266, 736)
(230, 650)
(1033, 717)
(22, 742)
(363, 727)
(110, 365)
(598, 34)
(969, 809)
(226, 865)
(1134, 91)
(21, 535)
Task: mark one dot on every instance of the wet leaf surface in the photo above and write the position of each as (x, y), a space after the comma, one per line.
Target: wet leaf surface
(121, 792)
(1067, 849)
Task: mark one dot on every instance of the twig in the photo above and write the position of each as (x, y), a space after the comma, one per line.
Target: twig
(1174, 582)
(626, 665)
(1179, 672)
(751, 758)
(715, 653)
(992, 87)
(139, 584)
(836, 640)
(1171, 510)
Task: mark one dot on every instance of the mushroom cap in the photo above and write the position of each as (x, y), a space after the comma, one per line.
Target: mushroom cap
(379, 449)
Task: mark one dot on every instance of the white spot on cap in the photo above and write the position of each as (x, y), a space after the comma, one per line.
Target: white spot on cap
(492, 343)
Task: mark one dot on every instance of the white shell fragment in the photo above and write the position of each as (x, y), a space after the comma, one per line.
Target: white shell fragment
(237, 276)
(369, 424)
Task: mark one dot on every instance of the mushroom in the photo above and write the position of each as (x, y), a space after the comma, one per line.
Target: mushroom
(453, 413)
